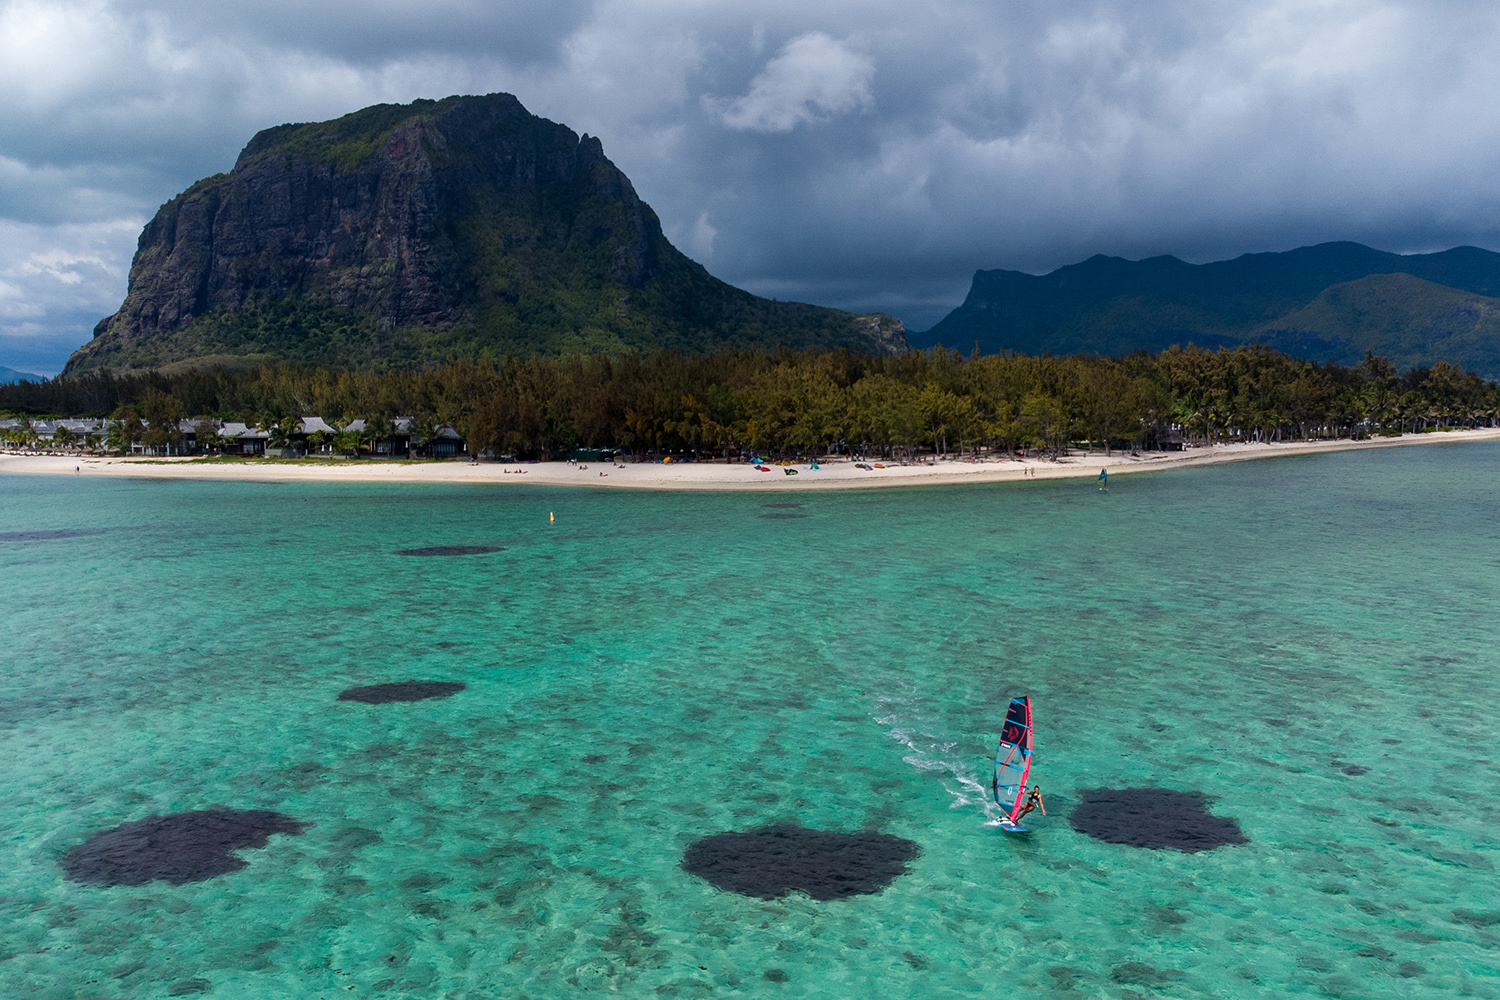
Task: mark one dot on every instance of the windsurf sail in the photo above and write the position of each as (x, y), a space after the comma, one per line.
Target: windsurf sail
(1104, 479)
(1013, 758)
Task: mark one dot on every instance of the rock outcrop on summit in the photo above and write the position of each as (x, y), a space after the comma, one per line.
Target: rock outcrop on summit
(404, 234)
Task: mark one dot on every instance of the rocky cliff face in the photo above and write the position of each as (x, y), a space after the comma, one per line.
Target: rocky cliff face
(403, 234)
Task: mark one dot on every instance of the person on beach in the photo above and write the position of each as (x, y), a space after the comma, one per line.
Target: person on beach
(1033, 801)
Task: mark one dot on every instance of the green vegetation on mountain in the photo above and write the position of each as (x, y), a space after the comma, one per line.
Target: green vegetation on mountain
(401, 235)
(1330, 302)
(1405, 318)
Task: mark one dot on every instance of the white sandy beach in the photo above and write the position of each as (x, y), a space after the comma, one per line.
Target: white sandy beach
(834, 474)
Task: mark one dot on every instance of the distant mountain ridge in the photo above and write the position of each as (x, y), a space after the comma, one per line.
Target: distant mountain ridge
(1328, 302)
(9, 375)
(404, 234)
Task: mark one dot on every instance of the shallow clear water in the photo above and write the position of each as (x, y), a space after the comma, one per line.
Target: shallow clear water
(654, 668)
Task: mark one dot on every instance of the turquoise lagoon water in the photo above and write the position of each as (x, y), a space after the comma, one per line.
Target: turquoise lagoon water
(655, 668)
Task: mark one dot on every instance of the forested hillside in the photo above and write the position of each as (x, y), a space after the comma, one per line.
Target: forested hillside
(1330, 302)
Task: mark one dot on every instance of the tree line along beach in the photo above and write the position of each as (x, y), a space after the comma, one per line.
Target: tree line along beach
(743, 417)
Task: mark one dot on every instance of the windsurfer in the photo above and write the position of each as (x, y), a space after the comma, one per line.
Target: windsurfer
(1033, 801)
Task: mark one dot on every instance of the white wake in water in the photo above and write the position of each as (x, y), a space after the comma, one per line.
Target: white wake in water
(963, 768)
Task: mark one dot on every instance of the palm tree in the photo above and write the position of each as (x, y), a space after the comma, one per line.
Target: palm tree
(127, 429)
(378, 429)
(346, 441)
(424, 430)
(278, 432)
(23, 434)
(335, 436)
(208, 436)
(114, 437)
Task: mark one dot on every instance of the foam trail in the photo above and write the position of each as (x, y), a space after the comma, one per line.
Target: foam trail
(962, 777)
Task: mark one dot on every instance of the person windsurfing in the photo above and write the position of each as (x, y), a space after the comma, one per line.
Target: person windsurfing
(1013, 763)
(1033, 801)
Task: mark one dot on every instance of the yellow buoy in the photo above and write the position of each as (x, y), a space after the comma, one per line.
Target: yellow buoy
(551, 517)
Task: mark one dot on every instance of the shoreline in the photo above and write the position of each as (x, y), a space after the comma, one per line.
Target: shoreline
(837, 473)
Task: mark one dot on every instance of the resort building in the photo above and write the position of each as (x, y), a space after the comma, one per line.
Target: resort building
(312, 435)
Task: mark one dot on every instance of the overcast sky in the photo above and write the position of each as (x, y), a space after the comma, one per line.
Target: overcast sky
(868, 155)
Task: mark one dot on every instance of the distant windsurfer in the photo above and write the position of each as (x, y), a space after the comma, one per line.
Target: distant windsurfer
(1033, 801)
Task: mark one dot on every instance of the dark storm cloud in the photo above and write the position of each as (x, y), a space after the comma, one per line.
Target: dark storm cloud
(1032, 137)
(375, 32)
(867, 155)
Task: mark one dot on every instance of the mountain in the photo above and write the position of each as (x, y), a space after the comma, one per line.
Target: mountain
(1328, 302)
(9, 375)
(403, 234)
(1411, 321)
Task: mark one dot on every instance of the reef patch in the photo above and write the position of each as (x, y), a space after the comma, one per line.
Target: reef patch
(382, 694)
(49, 536)
(1153, 818)
(450, 550)
(177, 848)
(774, 860)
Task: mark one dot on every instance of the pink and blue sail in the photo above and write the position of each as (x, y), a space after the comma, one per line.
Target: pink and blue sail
(1013, 760)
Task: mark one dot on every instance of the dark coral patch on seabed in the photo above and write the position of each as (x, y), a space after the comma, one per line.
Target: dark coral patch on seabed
(48, 536)
(450, 550)
(1153, 818)
(178, 848)
(381, 694)
(774, 860)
